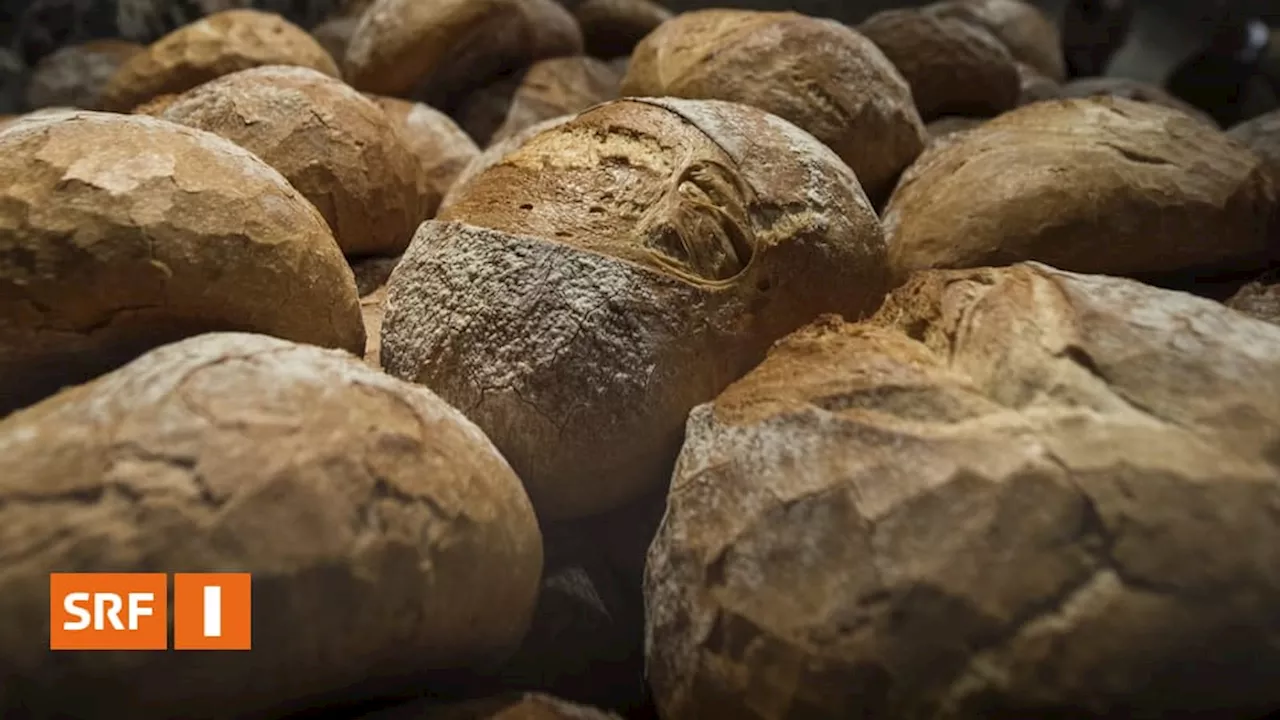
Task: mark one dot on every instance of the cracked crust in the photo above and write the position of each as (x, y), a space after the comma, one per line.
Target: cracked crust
(1013, 493)
(217, 45)
(321, 476)
(1101, 185)
(441, 148)
(953, 67)
(588, 289)
(334, 145)
(547, 89)
(437, 51)
(1029, 34)
(75, 76)
(819, 74)
(123, 232)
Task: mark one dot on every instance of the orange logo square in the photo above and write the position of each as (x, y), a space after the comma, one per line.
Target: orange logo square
(108, 611)
(212, 611)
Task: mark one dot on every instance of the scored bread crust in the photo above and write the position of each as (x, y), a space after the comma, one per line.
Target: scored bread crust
(562, 316)
(127, 232)
(211, 47)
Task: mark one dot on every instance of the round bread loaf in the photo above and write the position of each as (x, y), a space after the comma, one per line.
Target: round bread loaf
(1016, 493)
(440, 147)
(1132, 90)
(1103, 185)
(334, 145)
(440, 50)
(211, 47)
(1029, 34)
(361, 505)
(547, 89)
(123, 232)
(819, 74)
(76, 75)
(612, 28)
(491, 155)
(608, 274)
(953, 67)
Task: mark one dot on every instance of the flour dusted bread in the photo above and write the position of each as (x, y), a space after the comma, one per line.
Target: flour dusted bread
(1103, 185)
(334, 145)
(361, 504)
(1016, 493)
(216, 45)
(953, 67)
(819, 74)
(439, 50)
(440, 148)
(124, 232)
(76, 75)
(547, 89)
(590, 287)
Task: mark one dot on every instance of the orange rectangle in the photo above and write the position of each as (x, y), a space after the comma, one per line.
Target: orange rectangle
(212, 611)
(108, 611)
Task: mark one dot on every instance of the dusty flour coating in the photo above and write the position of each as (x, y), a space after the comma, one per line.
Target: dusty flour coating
(1013, 492)
(321, 476)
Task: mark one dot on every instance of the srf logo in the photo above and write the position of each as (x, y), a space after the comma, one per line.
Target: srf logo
(129, 611)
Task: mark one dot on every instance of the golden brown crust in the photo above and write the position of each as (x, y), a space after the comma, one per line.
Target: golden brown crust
(611, 28)
(491, 155)
(1103, 185)
(322, 477)
(75, 76)
(156, 106)
(437, 51)
(819, 74)
(126, 232)
(547, 89)
(441, 148)
(214, 46)
(334, 145)
(1029, 34)
(1014, 493)
(953, 67)
(580, 295)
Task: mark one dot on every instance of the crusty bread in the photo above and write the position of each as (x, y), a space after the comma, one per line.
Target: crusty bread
(608, 274)
(547, 89)
(1015, 493)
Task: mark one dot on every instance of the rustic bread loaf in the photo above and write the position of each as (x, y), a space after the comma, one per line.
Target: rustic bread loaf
(125, 232)
(363, 506)
(1024, 28)
(819, 74)
(438, 51)
(334, 145)
(440, 148)
(547, 89)
(491, 155)
(211, 47)
(1016, 493)
(608, 274)
(953, 67)
(76, 75)
(1132, 90)
(1103, 185)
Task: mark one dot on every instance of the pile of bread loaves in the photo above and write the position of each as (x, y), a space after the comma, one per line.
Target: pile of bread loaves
(539, 355)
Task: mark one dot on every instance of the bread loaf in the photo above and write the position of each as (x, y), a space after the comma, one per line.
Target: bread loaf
(1024, 28)
(440, 148)
(125, 232)
(598, 281)
(953, 67)
(1016, 493)
(547, 89)
(820, 75)
(1133, 90)
(492, 155)
(211, 47)
(1101, 185)
(334, 145)
(438, 51)
(360, 504)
